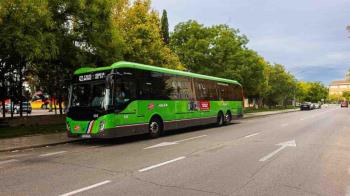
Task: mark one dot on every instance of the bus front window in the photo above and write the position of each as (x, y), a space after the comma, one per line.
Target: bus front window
(90, 95)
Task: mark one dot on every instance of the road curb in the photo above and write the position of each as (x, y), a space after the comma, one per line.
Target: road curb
(265, 115)
(40, 145)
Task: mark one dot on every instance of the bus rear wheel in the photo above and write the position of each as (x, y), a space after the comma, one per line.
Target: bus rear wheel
(155, 127)
(228, 117)
(220, 119)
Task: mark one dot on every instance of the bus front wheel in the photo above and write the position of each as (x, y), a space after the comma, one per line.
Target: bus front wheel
(155, 127)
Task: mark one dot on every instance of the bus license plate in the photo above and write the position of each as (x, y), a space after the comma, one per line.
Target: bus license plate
(85, 136)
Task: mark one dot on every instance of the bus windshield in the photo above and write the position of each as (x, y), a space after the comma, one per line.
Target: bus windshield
(93, 95)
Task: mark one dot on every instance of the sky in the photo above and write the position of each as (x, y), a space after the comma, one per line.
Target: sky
(309, 37)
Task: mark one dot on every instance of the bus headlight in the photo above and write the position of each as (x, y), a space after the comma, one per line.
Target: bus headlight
(102, 126)
(67, 126)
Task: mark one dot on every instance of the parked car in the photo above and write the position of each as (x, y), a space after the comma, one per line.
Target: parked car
(26, 108)
(7, 107)
(306, 106)
(344, 104)
(317, 106)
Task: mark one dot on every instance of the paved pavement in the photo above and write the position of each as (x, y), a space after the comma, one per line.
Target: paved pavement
(36, 112)
(20, 143)
(297, 153)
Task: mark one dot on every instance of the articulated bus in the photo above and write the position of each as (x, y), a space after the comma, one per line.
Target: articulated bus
(128, 99)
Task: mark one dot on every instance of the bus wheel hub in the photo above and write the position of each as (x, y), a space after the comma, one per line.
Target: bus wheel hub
(154, 127)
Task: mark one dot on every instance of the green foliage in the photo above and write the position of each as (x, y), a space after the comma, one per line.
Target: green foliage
(219, 51)
(140, 27)
(312, 91)
(282, 85)
(346, 95)
(26, 37)
(165, 27)
(25, 32)
(317, 92)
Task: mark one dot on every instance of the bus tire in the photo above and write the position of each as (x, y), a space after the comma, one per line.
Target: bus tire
(220, 119)
(155, 127)
(228, 117)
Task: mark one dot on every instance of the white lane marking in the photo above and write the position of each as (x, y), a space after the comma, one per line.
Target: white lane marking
(251, 135)
(52, 153)
(302, 119)
(174, 142)
(191, 138)
(86, 188)
(283, 146)
(161, 145)
(160, 164)
(8, 161)
(285, 124)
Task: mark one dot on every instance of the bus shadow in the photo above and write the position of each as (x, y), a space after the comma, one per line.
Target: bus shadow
(144, 137)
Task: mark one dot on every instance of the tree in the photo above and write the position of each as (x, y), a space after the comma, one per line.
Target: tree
(346, 95)
(85, 36)
(316, 92)
(25, 37)
(312, 92)
(165, 27)
(140, 27)
(219, 51)
(282, 86)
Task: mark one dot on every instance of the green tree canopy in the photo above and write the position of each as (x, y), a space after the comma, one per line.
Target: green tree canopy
(219, 51)
(165, 27)
(282, 85)
(140, 27)
(312, 91)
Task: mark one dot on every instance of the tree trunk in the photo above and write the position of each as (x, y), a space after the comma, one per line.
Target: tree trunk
(11, 108)
(3, 108)
(54, 105)
(60, 103)
(20, 85)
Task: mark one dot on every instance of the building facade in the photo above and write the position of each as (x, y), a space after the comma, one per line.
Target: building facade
(337, 88)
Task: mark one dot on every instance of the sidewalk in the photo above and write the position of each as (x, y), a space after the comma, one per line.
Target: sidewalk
(35, 141)
(20, 143)
(268, 113)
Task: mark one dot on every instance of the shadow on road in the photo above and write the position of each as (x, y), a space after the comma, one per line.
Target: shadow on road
(140, 138)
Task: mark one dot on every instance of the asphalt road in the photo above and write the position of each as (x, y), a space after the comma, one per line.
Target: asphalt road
(299, 153)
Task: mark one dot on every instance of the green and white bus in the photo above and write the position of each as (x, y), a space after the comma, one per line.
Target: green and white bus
(128, 99)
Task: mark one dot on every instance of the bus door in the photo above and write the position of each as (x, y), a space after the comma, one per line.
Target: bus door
(125, 96)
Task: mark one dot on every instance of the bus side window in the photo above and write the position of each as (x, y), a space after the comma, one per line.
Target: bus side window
(144, 84)
(237, 92)
(171, 87)
(124, 89)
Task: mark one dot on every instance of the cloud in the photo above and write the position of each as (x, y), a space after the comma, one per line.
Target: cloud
(308, 37)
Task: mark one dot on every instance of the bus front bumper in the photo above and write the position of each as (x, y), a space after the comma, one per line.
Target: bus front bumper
(121, 131)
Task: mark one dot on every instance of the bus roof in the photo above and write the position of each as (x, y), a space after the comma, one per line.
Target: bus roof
(123, 64)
